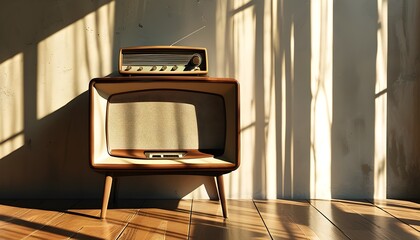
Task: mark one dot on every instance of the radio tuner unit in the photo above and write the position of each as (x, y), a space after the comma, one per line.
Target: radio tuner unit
(163, 60)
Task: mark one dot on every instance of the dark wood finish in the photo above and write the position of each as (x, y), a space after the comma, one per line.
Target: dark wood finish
(203, 219)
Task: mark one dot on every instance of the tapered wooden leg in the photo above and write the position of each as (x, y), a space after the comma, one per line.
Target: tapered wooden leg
(221, 189)
(107, 191)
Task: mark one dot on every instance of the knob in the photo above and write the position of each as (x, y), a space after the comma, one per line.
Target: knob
(174, 68)
(195, 60)
(163, 68)
(140, 68)
(153, 68)
(127, 68)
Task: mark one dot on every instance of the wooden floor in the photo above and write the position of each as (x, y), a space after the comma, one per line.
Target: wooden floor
(202, 219)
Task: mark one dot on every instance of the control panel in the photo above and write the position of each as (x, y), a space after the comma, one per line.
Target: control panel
(155, 60)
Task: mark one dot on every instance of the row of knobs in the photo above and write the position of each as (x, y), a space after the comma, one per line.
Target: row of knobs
(154, 68)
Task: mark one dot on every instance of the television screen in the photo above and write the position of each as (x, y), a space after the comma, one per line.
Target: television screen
(166, 121)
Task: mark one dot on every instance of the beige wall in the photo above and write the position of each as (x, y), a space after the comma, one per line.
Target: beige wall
(329, 93)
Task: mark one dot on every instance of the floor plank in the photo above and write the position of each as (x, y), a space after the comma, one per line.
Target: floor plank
(243, 221)
(160, 219)
(287, 219)
(31, 216)
(362, 220)
(9, 210)
(407, 212)
(82, 222)
(390, 226)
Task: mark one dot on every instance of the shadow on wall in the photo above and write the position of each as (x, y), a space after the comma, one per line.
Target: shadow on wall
(50, 158)
(355, 72)
(50, 53)
(53, 160)
(404, 100)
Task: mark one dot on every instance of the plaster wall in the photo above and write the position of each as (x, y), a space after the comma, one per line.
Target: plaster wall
(329, 93)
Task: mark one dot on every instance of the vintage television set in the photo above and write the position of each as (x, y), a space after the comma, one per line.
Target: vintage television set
(167, 117)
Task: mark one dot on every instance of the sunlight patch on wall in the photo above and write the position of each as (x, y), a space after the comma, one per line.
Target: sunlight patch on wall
(244, 49)
(283, 127)
(235, 44)
(321, 103)
(68, 59)
(270, 100)
(11, 105)
(380, 158)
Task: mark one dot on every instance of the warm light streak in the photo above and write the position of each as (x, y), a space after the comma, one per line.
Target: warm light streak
(283, 125)
(69, 58)
(291, 90)
(11, 105)
(381, 103)
(321, 104)
(243, 33)
(269, 105)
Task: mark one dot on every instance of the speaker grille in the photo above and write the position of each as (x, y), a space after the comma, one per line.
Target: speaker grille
(166, 120)
(152, 125)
